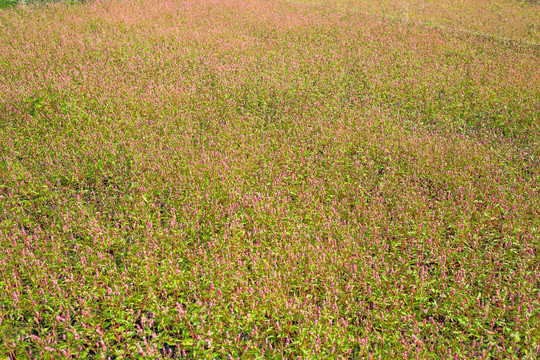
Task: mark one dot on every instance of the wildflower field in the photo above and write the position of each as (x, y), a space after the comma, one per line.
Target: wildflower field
(270, 179)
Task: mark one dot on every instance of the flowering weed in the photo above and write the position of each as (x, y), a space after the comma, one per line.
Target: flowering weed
(265, 179)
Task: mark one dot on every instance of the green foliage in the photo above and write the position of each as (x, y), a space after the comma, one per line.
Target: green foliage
(13, 3)
(7, 3)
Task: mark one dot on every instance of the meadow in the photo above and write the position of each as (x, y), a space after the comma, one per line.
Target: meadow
(270, 179)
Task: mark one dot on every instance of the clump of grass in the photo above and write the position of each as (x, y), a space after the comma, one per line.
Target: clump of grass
(5, 4)
(200, 179)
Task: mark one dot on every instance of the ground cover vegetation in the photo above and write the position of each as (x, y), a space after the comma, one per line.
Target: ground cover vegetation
(510, 19)
(266, 180)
